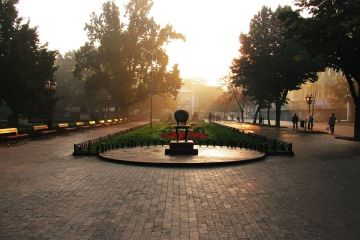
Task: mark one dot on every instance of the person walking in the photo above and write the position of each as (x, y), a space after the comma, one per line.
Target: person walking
(295, 120)
(310, 120)
(210, 117)
(332, 121)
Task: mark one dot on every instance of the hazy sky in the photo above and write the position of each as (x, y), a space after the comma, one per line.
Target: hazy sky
(212, 28)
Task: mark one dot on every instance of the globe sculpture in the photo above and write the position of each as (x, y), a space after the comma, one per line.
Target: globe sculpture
(181, 117)
(179, 147)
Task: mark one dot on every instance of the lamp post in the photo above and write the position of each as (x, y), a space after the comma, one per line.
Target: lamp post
(151, 94)
(309, 99)
(108, 99)
(151, 85)
(50, 87)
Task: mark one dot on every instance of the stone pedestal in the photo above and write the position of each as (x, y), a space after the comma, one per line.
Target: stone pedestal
(181, 148)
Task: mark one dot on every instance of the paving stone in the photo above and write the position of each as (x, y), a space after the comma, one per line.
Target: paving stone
(46, 193)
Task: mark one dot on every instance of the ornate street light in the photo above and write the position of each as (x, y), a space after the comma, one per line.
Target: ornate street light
(53, 86)
(50, 87)
(47, 85)
(151, 80)
(150, 85)
(108, 99)
(309, 99)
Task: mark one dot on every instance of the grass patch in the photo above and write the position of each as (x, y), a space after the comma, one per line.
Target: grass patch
(221, 134)
(143, 134)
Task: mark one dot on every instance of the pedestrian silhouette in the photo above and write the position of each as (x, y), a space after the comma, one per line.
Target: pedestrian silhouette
(332, 121)
(295, 120)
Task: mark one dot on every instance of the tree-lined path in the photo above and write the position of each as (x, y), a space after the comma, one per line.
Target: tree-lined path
(45, 193)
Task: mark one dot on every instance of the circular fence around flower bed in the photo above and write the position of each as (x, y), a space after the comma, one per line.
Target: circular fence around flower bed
(263, 144)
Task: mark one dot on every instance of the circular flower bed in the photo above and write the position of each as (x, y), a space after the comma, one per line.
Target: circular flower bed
(192, 135)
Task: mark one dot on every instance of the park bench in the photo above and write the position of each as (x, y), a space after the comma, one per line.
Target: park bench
(81, 125)
(42, 130)
(122, 120)
(11, 134)
(109, 122)
(65, 127)
(94, 124)
(102, 123)
(115, 121)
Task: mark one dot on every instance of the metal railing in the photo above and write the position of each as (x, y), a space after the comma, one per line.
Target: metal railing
(261, 143)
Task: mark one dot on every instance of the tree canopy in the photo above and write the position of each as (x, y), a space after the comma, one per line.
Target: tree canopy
(24, 66)
(127, 60)
(70, 90)
(269, 65)
(332, 33)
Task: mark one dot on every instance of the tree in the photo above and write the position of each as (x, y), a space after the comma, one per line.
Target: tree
(70, 90)
(127, 60)
(270, 66)
(24, 66)
(224, 103)
(236, 93)
(332, 33)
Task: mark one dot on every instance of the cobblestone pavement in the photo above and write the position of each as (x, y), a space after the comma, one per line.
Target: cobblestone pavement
(46, 193)
(341, 128)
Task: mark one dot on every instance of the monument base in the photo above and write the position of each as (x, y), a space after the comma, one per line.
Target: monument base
(181, 148)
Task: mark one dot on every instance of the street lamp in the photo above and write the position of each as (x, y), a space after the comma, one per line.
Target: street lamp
(108, 99)
(151, 84)
(50, 87)
(309, 99)
(151, 94)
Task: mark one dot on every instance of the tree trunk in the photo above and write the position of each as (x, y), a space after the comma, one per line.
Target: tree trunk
(240, 103)
(357, 121)
(278, 112)
(268, 113)
(355, 93)
(278, 103)
(256, 113)
(242, 115)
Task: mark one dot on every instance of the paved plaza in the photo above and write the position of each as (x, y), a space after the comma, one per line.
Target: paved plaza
(46, 193)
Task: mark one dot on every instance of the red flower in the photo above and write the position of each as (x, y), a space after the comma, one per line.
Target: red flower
(192, 135)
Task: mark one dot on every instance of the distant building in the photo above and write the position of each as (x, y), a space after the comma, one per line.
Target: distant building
(196, 96)
(188, 100)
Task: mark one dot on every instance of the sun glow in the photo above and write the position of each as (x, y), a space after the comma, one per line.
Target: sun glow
(212, 28)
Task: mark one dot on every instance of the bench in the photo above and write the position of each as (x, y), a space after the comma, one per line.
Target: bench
(102, 122)
(65, 127)
(11, 134)
(81, 125)
(42, 130)
(94, 124)
(108, 122)
(115, 121)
